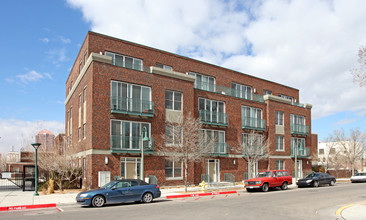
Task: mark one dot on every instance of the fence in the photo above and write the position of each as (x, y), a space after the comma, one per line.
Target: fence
(229, 177)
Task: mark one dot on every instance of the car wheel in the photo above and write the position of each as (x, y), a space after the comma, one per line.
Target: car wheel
(332, 183)
(284, 186)
(147, 198)
(316, 184)
(98, 201)
(265, 187)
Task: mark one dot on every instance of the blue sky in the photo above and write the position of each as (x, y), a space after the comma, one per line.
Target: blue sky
(309, 45)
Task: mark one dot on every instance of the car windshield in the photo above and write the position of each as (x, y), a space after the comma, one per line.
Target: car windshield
(109, 185)
(264, 174)
(312, 175)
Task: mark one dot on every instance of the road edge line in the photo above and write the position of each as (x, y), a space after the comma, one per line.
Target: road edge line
(25, 207)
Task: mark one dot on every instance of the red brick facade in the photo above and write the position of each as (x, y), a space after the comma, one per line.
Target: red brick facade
(94, 144)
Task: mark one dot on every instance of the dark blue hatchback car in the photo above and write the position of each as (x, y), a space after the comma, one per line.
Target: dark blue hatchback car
(118, 191)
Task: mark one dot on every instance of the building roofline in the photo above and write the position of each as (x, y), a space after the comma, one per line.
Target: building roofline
(184, 57)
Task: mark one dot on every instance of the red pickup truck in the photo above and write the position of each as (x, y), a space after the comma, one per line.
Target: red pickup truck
(268, 179)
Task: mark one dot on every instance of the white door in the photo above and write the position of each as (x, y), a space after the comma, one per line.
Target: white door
(299, 169)
(130, 168)
(104, 177)
(213, 170)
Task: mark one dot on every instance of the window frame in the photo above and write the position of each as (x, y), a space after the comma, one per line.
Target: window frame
(173, 101)
(280, 140)
(280, 164)
(173, 170)
(279, 118)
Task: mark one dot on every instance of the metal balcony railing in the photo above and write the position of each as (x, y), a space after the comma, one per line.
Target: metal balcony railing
(132, 106)
(130, 144)
(219, 149)
(301, 151)
(253, 123)
(227, 91)
(299, 129)
(214, 118)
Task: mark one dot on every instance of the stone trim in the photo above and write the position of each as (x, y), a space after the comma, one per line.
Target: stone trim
(172, 74)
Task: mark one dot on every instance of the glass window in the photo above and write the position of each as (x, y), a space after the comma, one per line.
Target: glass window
(279, 143)
(279, 118)
(164, 66)
(125, 61)
(241, 91)
(280, 164)
(173, 100)
(173, 169)
(204, 82)
(173, 134)
(267, 92)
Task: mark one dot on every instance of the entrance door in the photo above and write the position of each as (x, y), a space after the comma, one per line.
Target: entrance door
(299, 169)
(213, 170)
(130, 168)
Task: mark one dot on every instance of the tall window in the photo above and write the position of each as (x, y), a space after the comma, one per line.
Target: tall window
(173, 134)
(217, 138)
(252, 139)
(173, 100)
(164, 66)
(280, 143)
(279, 118)
(127, 135)
(84, 114)
(211, 110)
(130, 97)
(241, 91)
(297, 119)
(280, 164)
(204, 82)
(252, 117)
(298, 143)
(125, 61)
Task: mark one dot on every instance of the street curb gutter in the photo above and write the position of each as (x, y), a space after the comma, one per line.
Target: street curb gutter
(24, 207)
(199, 194)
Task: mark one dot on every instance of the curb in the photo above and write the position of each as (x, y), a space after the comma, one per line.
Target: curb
(199, 194)
(24, 207)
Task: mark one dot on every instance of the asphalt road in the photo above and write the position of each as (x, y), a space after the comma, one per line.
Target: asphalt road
(304, 203)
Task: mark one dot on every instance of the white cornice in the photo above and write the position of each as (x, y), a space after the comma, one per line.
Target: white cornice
(172, 74)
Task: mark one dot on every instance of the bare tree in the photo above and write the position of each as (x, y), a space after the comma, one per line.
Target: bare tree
(61, 168)
(254, 148)
(3, 163)
(359, 74)
(353, 147)
(326, 160)
(184, 143)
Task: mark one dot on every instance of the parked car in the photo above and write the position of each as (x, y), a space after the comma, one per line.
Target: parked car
(316, 179)
(118, 191)
(269, 179)
(359, 178)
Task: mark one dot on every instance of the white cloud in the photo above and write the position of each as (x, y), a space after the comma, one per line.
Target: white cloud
(45, 40)
(21, 134)
(31, 76)
(64, 39)
(57, 56)
(309, 45)
(345, 122)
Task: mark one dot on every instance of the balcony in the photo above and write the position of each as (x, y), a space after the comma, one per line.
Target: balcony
(299, 129)
(130, 144)
(227, 91)
(219, 149)
(214, 118)
(253, 123)
(302, 152)
(131, 106)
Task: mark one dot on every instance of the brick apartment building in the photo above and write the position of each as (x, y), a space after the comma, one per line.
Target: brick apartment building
(118, 88)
